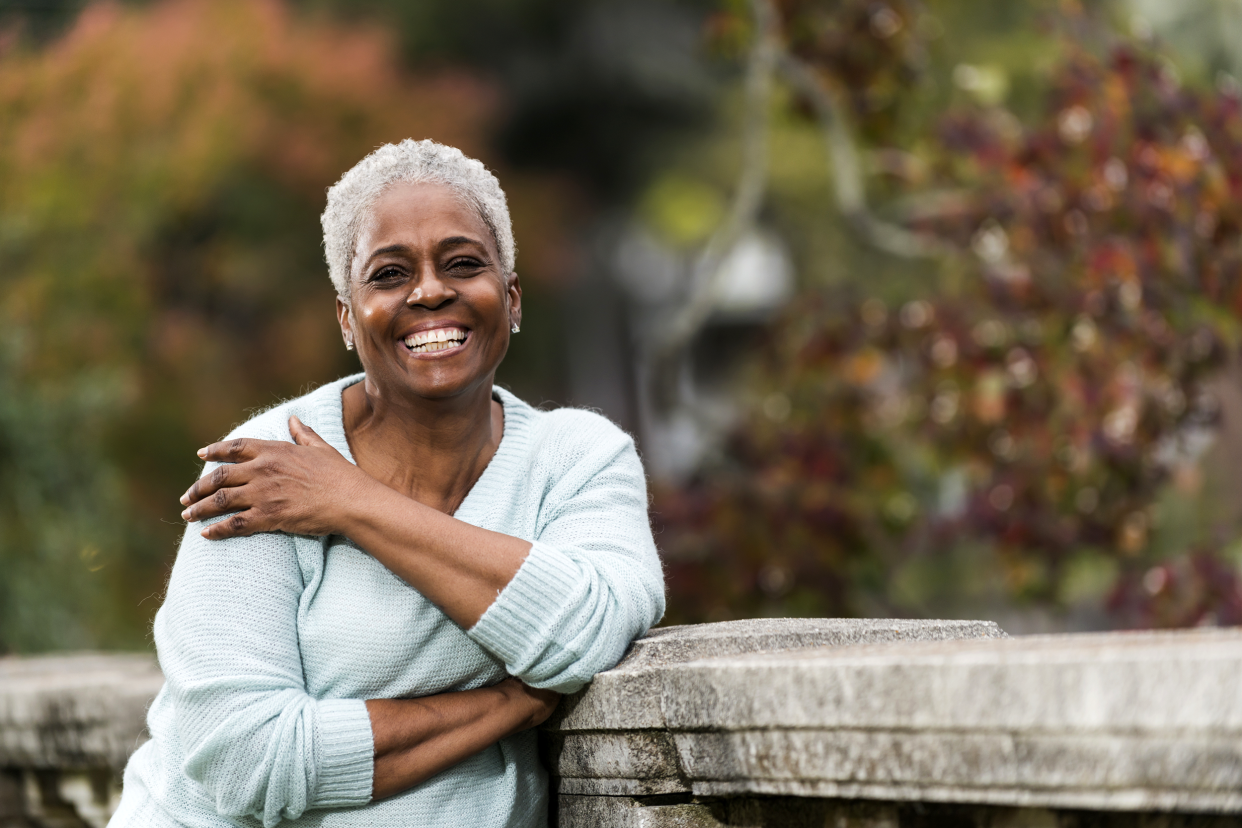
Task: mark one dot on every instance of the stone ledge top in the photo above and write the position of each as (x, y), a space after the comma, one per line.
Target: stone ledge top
(1145, 645)
(72, 671)
(1180, 684)
(674, 645)
(627, 697)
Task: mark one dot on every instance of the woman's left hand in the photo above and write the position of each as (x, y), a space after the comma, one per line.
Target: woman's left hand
(300, 488)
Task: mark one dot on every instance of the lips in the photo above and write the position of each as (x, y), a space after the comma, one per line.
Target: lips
(435, 339)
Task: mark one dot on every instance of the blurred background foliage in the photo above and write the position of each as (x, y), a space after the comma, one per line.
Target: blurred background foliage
(1000, 380)
(1006, 417)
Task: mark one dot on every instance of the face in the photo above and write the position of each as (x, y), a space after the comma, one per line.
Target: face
(430, 308)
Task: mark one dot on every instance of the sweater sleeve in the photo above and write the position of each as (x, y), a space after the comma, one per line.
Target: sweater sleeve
(252, 736)
(592, 582)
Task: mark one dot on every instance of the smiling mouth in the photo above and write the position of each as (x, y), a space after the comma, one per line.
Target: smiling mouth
(437, 339)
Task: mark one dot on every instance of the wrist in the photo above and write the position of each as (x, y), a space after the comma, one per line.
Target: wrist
(530, 706)
(510, 689)
(359, 494)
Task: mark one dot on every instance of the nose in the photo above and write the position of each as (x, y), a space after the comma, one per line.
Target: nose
(430, 291)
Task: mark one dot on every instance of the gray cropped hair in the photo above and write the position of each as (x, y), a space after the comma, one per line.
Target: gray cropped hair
(351, 198)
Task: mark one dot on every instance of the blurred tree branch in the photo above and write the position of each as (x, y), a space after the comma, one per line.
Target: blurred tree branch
(769, 55)
(747, 200)
(847, 171)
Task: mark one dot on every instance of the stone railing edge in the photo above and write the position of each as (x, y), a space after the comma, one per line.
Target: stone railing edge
(774, 711)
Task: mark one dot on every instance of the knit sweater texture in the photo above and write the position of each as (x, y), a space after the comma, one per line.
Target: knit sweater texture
(271, 644)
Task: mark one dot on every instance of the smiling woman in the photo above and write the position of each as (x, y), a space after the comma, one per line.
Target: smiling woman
(387, 582)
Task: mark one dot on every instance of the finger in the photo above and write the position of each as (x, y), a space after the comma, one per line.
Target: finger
(236, 526)
(220, 502)
(233, 451)
(304, 435)
(218, 478)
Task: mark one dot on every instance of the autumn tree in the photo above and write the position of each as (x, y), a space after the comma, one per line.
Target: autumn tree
(1016, 414)
(162, 169)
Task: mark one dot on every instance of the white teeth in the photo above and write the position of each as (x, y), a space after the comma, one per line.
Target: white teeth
(437, 339)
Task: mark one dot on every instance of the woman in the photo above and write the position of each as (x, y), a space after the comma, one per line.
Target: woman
(387, 582)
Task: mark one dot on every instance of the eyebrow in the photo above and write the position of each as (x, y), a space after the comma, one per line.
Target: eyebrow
(451, 241)
(392, 248)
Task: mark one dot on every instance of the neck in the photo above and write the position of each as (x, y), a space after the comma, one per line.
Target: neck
(430, 450)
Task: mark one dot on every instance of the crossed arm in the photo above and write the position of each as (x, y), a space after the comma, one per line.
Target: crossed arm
(417, 738)
(308, 488)
(555, 611)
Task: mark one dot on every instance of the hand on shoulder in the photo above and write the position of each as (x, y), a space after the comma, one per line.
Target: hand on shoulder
(301, 488)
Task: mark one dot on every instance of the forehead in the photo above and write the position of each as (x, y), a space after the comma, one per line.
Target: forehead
(419, 214)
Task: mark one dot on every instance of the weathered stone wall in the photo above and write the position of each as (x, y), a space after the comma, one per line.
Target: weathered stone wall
(68, 723)
(801, 812)
(850, 723)
(1107, 729)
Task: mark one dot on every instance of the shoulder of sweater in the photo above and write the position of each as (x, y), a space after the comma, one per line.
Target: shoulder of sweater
(574, 435)
(272, 423)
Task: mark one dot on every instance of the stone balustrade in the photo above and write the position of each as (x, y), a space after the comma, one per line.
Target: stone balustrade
(68, 723)
(850, 723)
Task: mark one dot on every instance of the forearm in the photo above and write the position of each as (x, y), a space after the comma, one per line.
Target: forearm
(459, 567)
(417, 738)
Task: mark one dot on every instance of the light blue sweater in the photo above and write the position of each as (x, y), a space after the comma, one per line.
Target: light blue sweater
(270, 644)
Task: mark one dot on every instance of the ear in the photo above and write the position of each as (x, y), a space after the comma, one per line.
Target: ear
(514, 290)
(342, 316)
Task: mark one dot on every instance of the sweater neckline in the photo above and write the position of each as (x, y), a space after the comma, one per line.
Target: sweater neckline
(513, 440)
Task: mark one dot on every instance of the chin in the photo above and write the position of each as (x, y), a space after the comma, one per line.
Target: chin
(446, 387)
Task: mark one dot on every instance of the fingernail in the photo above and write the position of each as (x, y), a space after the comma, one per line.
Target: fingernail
(185, 500)
(185, 515)
(201, 452)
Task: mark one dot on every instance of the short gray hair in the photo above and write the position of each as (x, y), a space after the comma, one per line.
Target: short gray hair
(350, 199)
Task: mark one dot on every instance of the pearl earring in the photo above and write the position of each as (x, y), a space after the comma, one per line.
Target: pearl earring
(515, 328)
(349, 344)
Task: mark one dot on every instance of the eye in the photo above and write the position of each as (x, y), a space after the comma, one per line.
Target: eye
(463, 265)
(387, 274)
